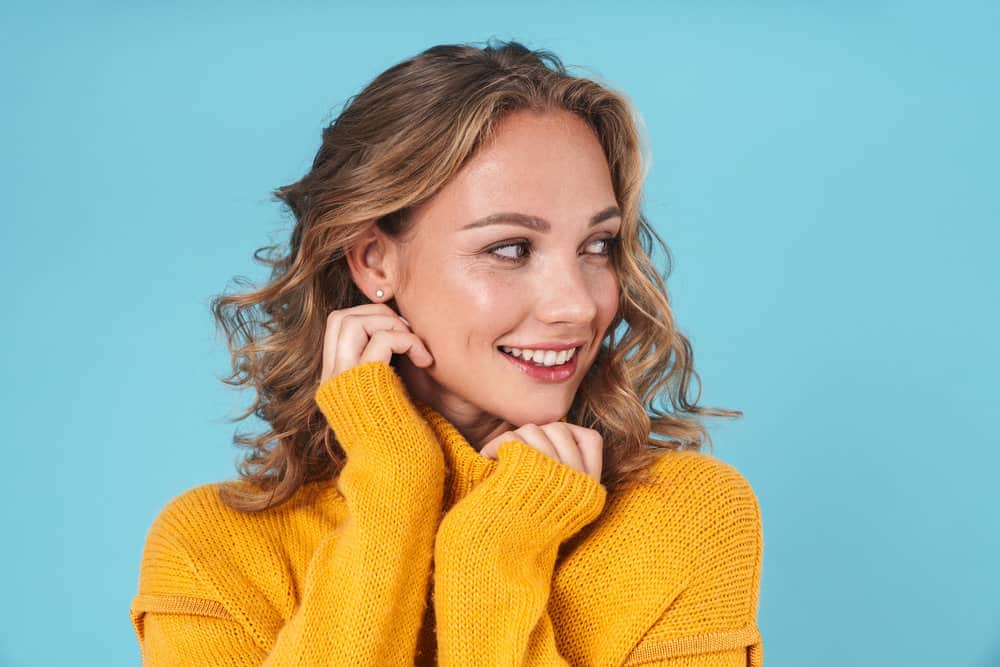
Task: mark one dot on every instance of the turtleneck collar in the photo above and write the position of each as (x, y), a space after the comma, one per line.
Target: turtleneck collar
(466, 467)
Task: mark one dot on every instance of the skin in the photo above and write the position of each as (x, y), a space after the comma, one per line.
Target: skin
(463, 302)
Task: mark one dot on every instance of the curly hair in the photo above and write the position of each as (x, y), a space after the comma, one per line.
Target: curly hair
(393, 146)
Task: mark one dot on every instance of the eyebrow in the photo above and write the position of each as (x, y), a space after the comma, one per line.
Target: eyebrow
(536, 223)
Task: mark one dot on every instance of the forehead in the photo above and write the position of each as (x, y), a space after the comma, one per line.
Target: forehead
(548, 164)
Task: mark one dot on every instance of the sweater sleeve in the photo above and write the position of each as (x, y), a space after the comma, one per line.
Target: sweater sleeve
(494, 557)
(365, 586)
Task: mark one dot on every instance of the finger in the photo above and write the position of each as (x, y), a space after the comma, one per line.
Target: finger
(357, 332)
(335, 317)
(421, 355)
(535, 437)
(346, 337)
(353, 335)
(564, 442)
(490, 450)
(368, 309)
(591, 446)
(331, 336)
(384, 343)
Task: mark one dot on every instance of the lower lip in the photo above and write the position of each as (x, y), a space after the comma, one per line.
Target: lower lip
(545, 373)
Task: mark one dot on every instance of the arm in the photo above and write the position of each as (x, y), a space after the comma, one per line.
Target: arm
(494, 557)
(365, 585)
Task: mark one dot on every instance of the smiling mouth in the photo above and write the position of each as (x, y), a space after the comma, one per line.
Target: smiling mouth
(522, 356)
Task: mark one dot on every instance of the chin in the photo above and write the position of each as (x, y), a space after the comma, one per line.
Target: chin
(529, 416)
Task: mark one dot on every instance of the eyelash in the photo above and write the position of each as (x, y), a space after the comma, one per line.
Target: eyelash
(611, 241)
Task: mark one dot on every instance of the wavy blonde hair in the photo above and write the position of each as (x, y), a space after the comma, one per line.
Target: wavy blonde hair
(393, 146)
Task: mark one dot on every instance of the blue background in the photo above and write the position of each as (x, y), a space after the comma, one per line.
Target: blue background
(825, 174)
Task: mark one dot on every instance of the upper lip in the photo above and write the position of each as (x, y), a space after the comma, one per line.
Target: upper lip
(555, 346)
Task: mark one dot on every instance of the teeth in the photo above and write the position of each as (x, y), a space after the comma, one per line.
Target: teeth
(541, 357)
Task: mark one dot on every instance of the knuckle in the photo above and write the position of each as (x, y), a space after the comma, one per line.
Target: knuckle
(587, 436)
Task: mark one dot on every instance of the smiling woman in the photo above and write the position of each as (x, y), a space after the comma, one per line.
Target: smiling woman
(465, 464)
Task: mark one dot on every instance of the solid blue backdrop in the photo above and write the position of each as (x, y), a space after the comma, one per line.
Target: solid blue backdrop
(826, 177)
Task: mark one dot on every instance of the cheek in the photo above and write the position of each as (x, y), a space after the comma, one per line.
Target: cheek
(468, 304)
(489, 299)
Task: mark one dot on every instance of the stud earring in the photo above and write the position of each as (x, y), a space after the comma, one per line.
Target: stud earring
(379, 293)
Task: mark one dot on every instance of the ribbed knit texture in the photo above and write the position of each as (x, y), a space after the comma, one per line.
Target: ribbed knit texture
(425, 552)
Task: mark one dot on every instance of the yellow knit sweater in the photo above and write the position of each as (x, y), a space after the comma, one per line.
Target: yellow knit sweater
(425, 552)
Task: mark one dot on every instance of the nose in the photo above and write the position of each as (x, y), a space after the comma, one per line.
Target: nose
(566, 293)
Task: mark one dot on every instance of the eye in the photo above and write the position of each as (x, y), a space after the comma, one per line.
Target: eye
(517, 244)
(610, 243)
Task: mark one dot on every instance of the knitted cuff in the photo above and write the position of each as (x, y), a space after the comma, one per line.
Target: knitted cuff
(368, 407)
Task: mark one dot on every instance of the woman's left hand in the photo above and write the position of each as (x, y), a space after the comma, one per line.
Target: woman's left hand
(580, 448)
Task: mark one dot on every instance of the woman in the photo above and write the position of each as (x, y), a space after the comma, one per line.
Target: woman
(464, 466)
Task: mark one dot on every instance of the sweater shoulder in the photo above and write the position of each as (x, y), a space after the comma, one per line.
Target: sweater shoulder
(696, 501)
(701, 475)
(193, 517)
(197, 536)
(198, 514)
(166, 568)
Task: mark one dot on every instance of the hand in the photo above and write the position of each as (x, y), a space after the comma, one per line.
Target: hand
(369, 332)
(580, 448)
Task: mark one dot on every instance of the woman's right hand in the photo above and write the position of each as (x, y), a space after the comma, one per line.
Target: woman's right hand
(369, 332)
(578, 447)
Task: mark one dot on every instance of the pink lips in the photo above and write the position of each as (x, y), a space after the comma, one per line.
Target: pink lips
(559, 373)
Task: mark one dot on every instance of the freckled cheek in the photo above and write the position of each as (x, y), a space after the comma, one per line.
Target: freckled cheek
(475, 307)
(490, 299)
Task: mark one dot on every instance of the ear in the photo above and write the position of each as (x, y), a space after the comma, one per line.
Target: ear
(372, 260)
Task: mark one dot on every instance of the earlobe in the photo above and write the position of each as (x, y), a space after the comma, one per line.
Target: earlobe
(371, 265)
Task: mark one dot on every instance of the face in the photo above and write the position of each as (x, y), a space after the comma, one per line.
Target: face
(471, 290)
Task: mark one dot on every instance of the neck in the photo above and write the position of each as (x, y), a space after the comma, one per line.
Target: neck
(475, 425)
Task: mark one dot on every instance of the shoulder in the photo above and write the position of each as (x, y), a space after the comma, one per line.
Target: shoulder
(196, 534)
(182, 517)
(188, 518)
(694, 475)
(199, 513)
(704, 502)
(166, 567)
